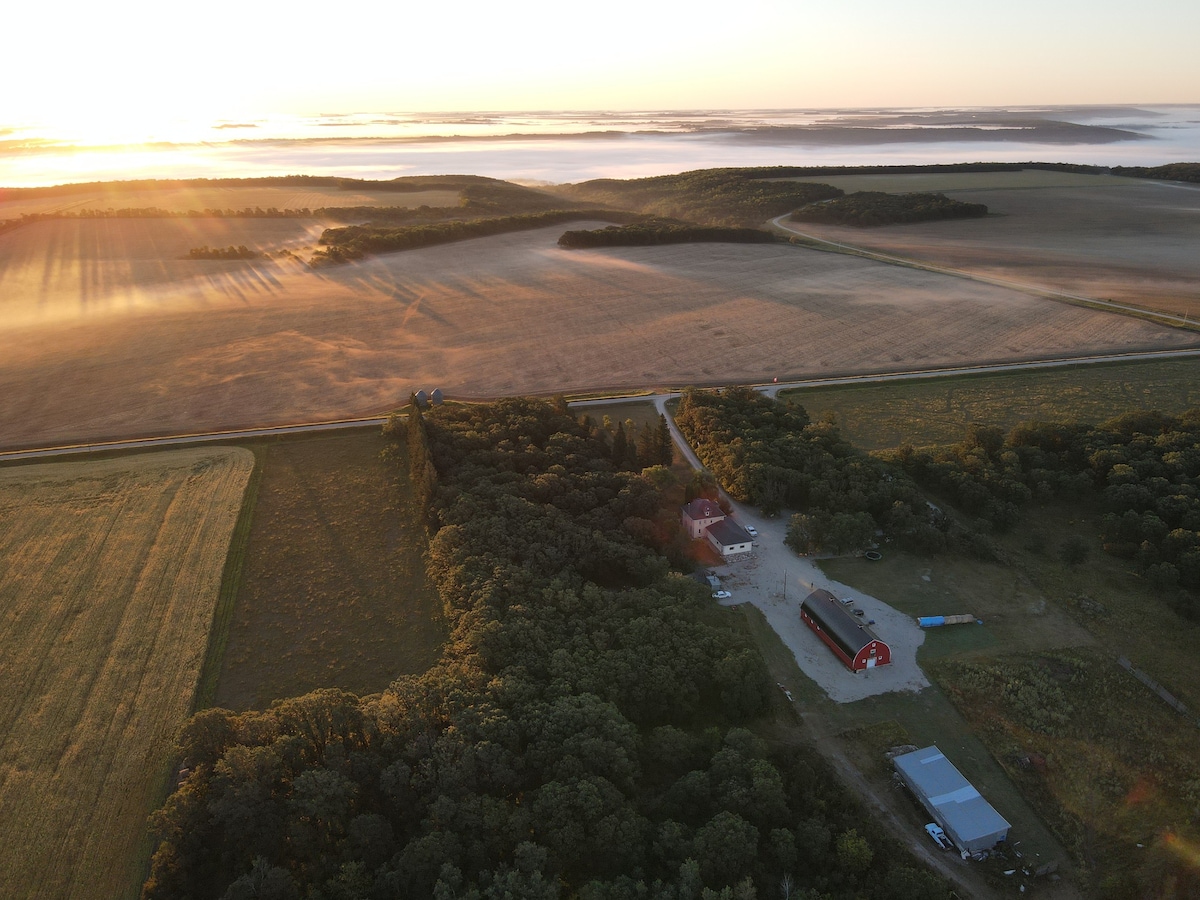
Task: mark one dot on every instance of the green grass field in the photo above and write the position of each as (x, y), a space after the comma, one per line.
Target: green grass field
(938, 410)
(1120, 764)
(333, 590)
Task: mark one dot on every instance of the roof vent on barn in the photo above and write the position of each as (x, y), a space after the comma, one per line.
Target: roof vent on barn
(436, 397)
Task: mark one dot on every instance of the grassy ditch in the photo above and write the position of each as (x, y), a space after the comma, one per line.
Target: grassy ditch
(938, 410)
(231, 582)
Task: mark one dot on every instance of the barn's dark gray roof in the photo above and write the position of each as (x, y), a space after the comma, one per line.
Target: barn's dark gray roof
(845, 628)
(970, 820)
(728, 533)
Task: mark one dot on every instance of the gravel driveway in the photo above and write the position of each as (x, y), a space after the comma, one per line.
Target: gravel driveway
(760, 578)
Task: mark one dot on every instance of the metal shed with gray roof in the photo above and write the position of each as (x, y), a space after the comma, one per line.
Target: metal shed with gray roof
(968, 820)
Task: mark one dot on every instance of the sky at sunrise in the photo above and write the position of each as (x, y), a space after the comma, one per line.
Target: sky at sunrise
(121, 68)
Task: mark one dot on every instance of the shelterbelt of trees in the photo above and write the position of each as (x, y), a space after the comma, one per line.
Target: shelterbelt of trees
(1144, 467)
(584, 735)
(241, 251)
(404, 184)
(771, 455)
(358, 241)
(705, 196)
(867, 208)
(1171, 172)
(654, 231)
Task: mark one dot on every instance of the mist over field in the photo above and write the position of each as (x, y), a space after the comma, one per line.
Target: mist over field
(571, 146)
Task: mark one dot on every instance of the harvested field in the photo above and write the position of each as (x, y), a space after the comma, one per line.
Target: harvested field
(495, 316)
(109, 573)
(947, 182)
(60, 270)
(333, 591)
(184, 199)
(1105, 237)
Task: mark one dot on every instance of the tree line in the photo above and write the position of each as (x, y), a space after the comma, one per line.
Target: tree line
(585, 733)
(1181, 171)
(1143, 466)
(771, 455)
(655, 231)
(358, 241)
(241, 251)
(706, 196)
(867, 208)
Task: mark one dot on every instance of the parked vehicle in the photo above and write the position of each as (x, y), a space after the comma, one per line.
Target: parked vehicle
(934, 830)
(722, 595)
(752, 531)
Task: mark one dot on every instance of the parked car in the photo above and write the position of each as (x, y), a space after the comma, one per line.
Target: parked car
(934, 830)
(721, 595)
(752, 531)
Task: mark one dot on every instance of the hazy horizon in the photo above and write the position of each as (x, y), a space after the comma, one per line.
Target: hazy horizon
(566, 146)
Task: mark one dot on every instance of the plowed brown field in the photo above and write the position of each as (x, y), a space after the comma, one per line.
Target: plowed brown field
(109, 573)
(1110, 238)
(246, 344)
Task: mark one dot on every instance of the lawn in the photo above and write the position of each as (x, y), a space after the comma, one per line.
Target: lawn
(333, 590)
(938, 410)
(109, 575)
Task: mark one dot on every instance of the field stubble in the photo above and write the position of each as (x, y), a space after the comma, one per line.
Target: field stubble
(109, 572)
(236, 198)
(511, 314)
(1104, 237)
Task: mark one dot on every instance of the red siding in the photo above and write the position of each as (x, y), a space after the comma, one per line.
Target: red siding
(883, 653)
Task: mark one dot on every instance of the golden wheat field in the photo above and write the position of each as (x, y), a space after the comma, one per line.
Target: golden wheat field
(109, 574)
(101, 351)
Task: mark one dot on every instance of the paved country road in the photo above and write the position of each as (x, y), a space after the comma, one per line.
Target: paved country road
(658, 398)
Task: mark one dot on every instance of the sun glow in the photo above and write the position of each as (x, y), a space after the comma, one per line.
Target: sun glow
(1186, 850)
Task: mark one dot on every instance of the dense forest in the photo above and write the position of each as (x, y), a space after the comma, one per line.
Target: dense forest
(771, 455)
(1144, 467)
(706, 196)
(357, 241)
(587, 733)
(652, 232)
(868, 208)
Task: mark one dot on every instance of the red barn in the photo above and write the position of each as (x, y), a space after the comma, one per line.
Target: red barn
(847, 636)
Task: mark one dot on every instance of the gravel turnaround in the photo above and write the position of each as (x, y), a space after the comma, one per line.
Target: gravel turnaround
(776, 580)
